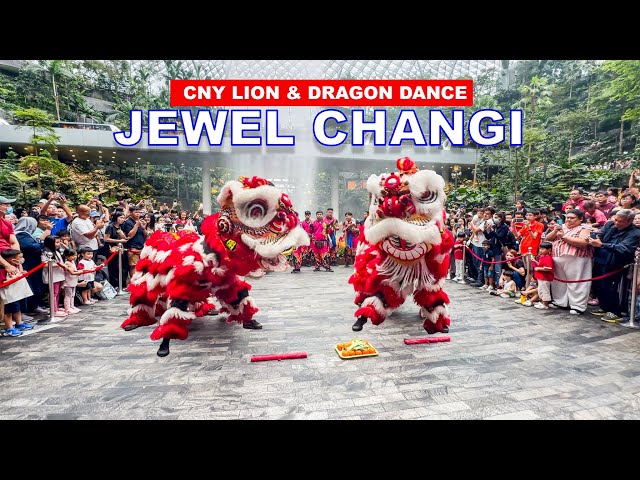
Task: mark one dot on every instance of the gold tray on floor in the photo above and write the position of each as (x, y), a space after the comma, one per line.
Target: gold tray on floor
(360, 355)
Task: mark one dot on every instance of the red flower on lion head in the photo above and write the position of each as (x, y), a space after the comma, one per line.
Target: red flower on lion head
(253, 182)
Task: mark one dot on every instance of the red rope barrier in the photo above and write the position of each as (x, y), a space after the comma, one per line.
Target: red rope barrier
(594, 278)
(95, 269)
(25, 274)
(492, 263)
(555, 278)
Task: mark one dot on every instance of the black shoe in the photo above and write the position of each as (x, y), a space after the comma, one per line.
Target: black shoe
(445, 329)
(329, 270)
(295, 270)
(347, 266)
(253, 325)
(163, 351)
(476, 284)
(356, 327)
(316, 269)
(131, 326)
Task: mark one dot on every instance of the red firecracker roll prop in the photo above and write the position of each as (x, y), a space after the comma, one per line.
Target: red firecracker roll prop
(413, 341)
(278, 356)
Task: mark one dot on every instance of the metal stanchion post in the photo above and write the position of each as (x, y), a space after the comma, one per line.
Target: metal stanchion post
(52, 298)
(634, 293)
(529, 263)
(120, 290)
(464, 263)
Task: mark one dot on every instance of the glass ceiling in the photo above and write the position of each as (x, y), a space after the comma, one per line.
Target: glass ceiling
(323, 69)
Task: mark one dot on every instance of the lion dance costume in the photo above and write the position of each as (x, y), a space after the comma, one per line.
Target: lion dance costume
(405, 249)
(178, 275)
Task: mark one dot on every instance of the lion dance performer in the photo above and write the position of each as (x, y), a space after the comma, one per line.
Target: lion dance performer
(297, 257)
(178, 274)
(405, 249)
(351, 232)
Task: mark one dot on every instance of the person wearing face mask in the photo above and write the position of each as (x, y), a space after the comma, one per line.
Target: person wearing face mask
(498, 234)
(7, 235)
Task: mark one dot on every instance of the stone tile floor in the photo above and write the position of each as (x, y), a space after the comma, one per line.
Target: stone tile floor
(504, 361)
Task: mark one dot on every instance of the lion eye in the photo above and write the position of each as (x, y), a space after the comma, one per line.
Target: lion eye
(428, 197)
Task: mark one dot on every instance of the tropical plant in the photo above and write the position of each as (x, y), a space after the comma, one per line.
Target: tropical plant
(42, 140)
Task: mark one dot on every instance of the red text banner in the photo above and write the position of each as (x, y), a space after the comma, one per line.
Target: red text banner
(321, 93)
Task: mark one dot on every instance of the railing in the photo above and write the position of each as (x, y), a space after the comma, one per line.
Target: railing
(87, 126)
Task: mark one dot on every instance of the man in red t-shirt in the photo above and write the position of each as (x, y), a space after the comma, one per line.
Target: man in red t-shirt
(590, 211)
(7, 235)
(531, 233)
(543, 273)
(576, 199)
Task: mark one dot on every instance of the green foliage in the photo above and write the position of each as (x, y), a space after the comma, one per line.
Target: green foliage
(472, 196)
(582, 122)
(625, 85)
(43, 163)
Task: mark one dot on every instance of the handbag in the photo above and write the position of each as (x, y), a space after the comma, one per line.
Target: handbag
(107, 292)
(16, 291)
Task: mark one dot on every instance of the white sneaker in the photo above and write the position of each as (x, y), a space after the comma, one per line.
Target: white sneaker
(506, 295)
(491, 289)
(541, 306)
(528, 303)
(41, 310)
(574, 312)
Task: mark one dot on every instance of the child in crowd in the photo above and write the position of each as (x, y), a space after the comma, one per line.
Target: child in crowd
(102, 275)
(529, 296)
(12, 316)
(51, 249)
(86, 281)
(543, 273)
(508, 288)
(65, 239)
(70, 281)
(517, 267)
(458, 256)
(488, 256)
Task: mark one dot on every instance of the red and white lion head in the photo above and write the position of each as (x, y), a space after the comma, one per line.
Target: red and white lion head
(405, 211)
(257, 223)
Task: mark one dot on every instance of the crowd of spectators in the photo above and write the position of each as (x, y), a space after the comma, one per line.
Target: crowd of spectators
(541, 257)
(569, 255)
(79, 239)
